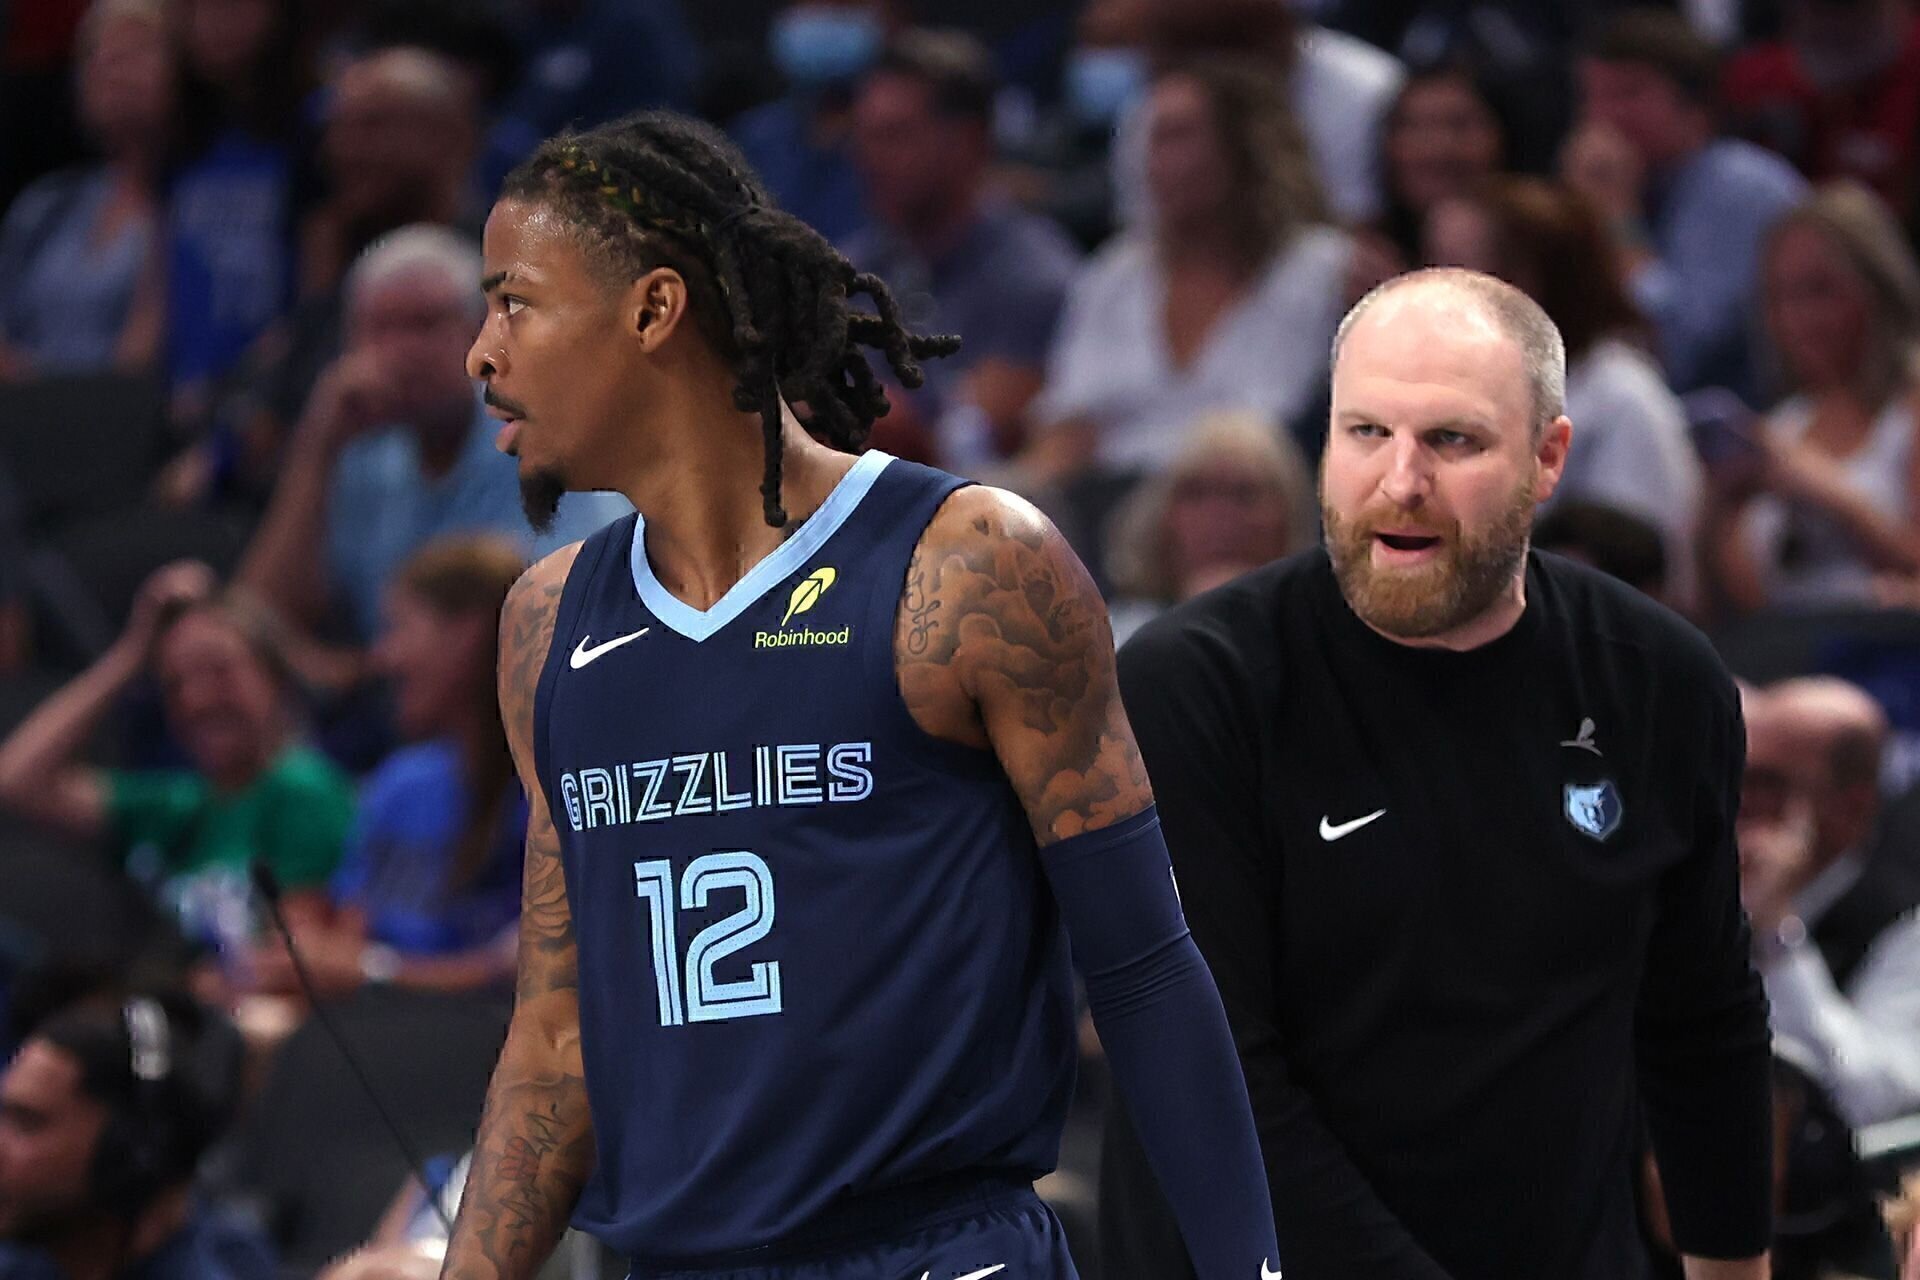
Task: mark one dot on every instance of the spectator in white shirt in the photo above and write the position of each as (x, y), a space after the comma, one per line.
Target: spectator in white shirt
(1228, 300)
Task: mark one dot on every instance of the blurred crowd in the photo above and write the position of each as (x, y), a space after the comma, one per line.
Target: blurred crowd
(254, 534)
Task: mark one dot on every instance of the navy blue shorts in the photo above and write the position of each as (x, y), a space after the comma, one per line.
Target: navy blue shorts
(1008, 1236)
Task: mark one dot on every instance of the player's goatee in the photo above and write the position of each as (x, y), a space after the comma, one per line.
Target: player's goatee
(540, 494)
(1428, 600)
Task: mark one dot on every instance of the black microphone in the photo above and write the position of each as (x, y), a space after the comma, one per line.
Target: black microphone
(268, 885)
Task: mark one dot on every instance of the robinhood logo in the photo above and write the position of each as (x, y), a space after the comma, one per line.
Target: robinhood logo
(808, 593)
(804, 597)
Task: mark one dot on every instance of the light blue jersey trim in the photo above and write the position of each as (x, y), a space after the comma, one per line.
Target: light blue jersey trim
(698, 624)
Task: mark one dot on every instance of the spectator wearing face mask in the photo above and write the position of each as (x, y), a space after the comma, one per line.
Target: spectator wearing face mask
(801, 143)
(1063, 167)
(587, 61)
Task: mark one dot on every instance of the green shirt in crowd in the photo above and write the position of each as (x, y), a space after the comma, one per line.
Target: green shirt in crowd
(294, 816)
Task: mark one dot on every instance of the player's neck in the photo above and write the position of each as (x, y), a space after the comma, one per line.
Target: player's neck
(705, 526)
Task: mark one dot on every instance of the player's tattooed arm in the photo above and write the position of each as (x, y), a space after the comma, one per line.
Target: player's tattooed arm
(1002, 641)
(535, 1146)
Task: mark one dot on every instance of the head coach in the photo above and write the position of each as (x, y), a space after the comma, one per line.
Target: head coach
(1452, 822)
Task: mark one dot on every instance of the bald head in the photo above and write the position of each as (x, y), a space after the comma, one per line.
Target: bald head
(1474, 297)
(1822, 739)
(1837, 719)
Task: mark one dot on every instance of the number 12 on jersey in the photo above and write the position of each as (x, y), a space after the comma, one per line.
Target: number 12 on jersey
(703, 997)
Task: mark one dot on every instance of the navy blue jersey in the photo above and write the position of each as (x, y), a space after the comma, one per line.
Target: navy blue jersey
(820, 967)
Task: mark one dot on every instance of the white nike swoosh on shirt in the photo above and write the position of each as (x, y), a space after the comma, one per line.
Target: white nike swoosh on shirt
(1266, 1272)
(971, 1275)
(582, 655)
(1330, 832)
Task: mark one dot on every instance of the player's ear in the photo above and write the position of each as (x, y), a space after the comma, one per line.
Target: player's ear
(654, 307)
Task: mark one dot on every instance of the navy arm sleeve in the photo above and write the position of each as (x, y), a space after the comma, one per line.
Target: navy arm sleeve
(1703, 1048)
(1167, 1041)
(1193, 709)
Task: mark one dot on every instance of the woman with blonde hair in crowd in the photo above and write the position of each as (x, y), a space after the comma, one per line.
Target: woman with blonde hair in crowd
(1229, 298)
(1237, 496)
(1819, 500)
(428, 893)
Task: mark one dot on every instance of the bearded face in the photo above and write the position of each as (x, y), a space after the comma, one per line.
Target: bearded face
(1414, 576)
(1436, 458)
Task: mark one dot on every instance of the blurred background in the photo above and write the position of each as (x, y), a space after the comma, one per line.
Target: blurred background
(254, 536)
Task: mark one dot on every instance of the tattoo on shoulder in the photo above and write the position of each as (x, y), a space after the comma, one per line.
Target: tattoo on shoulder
(526, 632)
(998, 608)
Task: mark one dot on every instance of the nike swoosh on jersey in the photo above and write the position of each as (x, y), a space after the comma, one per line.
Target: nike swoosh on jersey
(582, 655)
(1329, 832)
(973, 1275)
(1266, 1272)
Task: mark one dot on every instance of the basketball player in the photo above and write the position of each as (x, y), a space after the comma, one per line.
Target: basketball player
(816, 773)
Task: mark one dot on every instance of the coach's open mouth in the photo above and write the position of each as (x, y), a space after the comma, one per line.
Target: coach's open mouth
(1408, 541)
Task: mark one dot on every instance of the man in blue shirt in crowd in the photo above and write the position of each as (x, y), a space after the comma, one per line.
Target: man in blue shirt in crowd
(394, 448)
(960, 259)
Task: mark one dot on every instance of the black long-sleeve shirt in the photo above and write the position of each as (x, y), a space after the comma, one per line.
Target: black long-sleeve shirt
(1474, 917)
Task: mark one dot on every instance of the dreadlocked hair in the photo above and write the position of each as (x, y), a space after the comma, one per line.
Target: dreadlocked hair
(766, 290)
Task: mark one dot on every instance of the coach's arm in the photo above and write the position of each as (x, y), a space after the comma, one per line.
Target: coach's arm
(1702, 1045)
(1002, 642)
(535, 1148)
